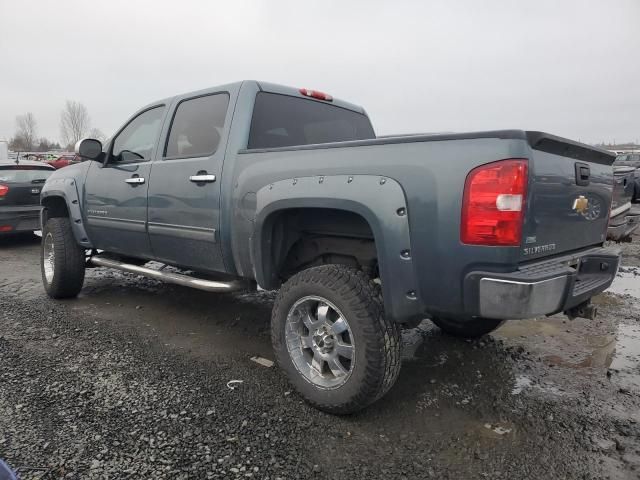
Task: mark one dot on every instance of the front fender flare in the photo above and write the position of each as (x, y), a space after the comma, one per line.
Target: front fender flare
(66, 189)
(379, 200)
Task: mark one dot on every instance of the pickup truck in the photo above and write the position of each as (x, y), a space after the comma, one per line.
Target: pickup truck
(631, 161)
(253, 185)
(624, 219)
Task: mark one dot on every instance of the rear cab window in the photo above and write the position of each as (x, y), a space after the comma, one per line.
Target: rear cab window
(24, 174)
(283, 121)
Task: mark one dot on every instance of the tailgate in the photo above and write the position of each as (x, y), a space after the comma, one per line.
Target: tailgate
(570, 191)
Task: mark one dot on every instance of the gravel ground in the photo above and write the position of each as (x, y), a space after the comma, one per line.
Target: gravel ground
(130, 381)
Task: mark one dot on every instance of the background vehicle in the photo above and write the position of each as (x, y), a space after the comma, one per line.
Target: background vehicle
(631, 160)
(64, 161)
(20, 186)
(624, 220)
(257, 184)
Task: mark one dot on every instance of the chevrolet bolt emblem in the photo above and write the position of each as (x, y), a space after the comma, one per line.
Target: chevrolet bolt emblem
(581, 204)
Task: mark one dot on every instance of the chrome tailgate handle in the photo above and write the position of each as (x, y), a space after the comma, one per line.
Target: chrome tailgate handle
(202, 178)
(135, 180)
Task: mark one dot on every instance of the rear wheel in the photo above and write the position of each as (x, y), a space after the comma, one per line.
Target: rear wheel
(473, 328)
(332, 339)
(62, 260)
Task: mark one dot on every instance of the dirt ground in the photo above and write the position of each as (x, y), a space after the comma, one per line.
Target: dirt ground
(131, 381)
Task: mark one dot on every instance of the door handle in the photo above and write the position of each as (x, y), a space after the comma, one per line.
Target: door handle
(135, 180)
(202, 178)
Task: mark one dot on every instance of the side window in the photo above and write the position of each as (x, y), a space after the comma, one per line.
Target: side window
(197, 126)
(135, 143)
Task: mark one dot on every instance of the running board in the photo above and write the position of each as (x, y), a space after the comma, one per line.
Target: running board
(171, 277)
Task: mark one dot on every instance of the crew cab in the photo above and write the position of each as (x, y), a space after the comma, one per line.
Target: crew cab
(258, 185)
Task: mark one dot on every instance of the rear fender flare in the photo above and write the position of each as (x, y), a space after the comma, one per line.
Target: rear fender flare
(379, 200)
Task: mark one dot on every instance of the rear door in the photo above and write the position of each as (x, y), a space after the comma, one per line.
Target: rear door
(569, 196)
(184, 191)
(116, 191)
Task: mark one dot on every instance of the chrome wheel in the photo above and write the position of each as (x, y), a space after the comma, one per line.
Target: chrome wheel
(320, 342)
(48, 258)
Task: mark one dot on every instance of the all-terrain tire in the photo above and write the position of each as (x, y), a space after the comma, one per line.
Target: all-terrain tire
(62, 273)
(473, 328)
(376, 339)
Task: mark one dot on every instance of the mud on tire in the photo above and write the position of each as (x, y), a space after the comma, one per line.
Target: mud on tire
(62, 260)
(376, 341)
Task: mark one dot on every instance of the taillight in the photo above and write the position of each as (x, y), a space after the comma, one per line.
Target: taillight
(316, 94)
(3, 190)
(493, 203)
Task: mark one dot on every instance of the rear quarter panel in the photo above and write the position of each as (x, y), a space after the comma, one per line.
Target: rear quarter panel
(431, 174)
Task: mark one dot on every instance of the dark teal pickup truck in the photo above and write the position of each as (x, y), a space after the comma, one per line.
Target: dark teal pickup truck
(257, 185)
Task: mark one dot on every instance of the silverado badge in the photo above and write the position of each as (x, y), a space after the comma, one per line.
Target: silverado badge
(581, 204)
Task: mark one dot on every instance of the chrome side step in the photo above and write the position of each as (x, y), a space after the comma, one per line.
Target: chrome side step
(171, 277)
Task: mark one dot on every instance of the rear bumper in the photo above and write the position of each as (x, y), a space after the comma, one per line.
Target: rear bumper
(19, 219)
(541, 288)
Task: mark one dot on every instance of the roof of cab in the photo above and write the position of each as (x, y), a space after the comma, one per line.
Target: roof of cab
(263, 86)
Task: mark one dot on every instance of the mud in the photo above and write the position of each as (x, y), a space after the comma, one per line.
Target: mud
(542, 398)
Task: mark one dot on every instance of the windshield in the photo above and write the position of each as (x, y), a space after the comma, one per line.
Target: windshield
(24, 174)
(283, 121)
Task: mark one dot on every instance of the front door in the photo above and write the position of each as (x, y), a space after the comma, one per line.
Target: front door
(184, 192)
(116, 191)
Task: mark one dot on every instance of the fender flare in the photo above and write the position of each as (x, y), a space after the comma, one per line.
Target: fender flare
(379, 200)
(66, 189)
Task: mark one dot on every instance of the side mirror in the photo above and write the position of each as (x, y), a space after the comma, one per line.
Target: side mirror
(89, 148)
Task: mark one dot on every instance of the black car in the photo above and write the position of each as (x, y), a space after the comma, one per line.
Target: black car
(631, 160)
(20, 185)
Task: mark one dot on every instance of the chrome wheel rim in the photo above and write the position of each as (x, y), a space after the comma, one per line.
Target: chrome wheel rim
(48, 257)
(320, 342)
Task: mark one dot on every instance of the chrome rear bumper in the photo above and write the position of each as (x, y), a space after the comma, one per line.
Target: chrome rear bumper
(541, 288)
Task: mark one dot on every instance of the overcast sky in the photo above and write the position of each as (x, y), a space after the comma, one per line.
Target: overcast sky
(569, 67)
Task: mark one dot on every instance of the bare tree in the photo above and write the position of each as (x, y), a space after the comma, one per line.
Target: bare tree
(97, 134)
(74, 122)
(26, 130)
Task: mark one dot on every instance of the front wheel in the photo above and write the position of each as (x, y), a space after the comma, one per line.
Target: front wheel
(62, 260)
(332, 339)
(474, 328)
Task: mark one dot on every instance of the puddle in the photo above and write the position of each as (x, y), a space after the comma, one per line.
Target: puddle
(558, 345)
(626, 362)
(627, 282)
